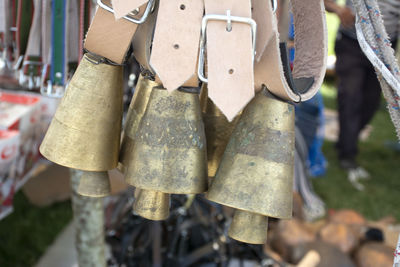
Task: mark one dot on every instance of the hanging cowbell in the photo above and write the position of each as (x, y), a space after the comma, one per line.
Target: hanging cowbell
(218, 130)
(151, 205)
(169, 154)
(94, 184)
(85, 131)
(134, 115)
(256, 172)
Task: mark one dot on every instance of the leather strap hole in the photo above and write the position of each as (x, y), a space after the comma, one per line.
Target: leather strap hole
(176, 46)
(182, 7)
(231, 71)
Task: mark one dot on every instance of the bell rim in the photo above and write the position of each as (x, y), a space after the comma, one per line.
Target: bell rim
(93, 195)
(152, 218)
(247, 210)
(247, 240)
(84, 167)
(165, 192)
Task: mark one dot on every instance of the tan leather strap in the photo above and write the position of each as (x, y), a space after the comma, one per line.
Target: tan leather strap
(142, 48)
(264, 25)
(72, 29)
(110, 38)
(176, 41)
(311, 51)
(142, 42)
(229, 57)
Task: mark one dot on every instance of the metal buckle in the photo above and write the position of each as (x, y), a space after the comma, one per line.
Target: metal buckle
(229, 19)
(149, 8)
(274, 5)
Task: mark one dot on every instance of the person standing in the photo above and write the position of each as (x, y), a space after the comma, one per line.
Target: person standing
(358, 87)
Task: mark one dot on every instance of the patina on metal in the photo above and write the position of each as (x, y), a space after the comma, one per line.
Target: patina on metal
(85, 131)
(256, 171)
(218, 130)
(94, 184)
(169, 154)
(134, 115)
(249, 227)
(151, 205)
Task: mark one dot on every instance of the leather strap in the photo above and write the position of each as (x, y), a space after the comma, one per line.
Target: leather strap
(58, 43)
(46, 40)
(264, 25)
(32, 61)
(72, 30)
(273, 70)
(5, 14)
(142, 44)
(110, 38)
(24, 20)
(229, 57)
(176, 42)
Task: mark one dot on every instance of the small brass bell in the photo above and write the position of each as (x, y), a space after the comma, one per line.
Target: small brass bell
(85, 131)
(94, 184)
(151, 205)
(218, 130)
(249, 227)
(256, 172)
(134, 115)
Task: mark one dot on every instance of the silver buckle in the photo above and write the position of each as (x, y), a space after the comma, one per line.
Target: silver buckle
(229, 19)
(149, 7)
(274, 6)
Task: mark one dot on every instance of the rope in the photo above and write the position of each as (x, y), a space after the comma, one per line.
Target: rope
(375, 43)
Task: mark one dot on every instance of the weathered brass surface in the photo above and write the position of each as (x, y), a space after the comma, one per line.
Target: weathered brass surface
(249, 227)
(135, 113)
(94, 184)
(85, 131)
(218, 130)
(151, 205)
(169, 154)
(256, 171)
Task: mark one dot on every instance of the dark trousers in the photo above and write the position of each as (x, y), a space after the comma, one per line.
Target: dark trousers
(358, 94)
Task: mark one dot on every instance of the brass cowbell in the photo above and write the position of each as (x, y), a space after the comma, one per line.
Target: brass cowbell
(85, 131)
(134, 115)
(94, 184)
(255, 175)
(151, 205)
(218, 130)
(169, 152)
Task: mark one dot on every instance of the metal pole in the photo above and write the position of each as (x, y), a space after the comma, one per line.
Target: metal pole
(89, 223)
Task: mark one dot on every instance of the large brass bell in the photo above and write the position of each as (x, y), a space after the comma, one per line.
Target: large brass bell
(85, 131)
(255, 175)
(169, 151)
(134, 115)
(94, 184)
(218, 130)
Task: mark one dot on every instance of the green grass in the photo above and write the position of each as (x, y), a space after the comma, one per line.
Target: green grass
(381, 194)
(28, 231)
